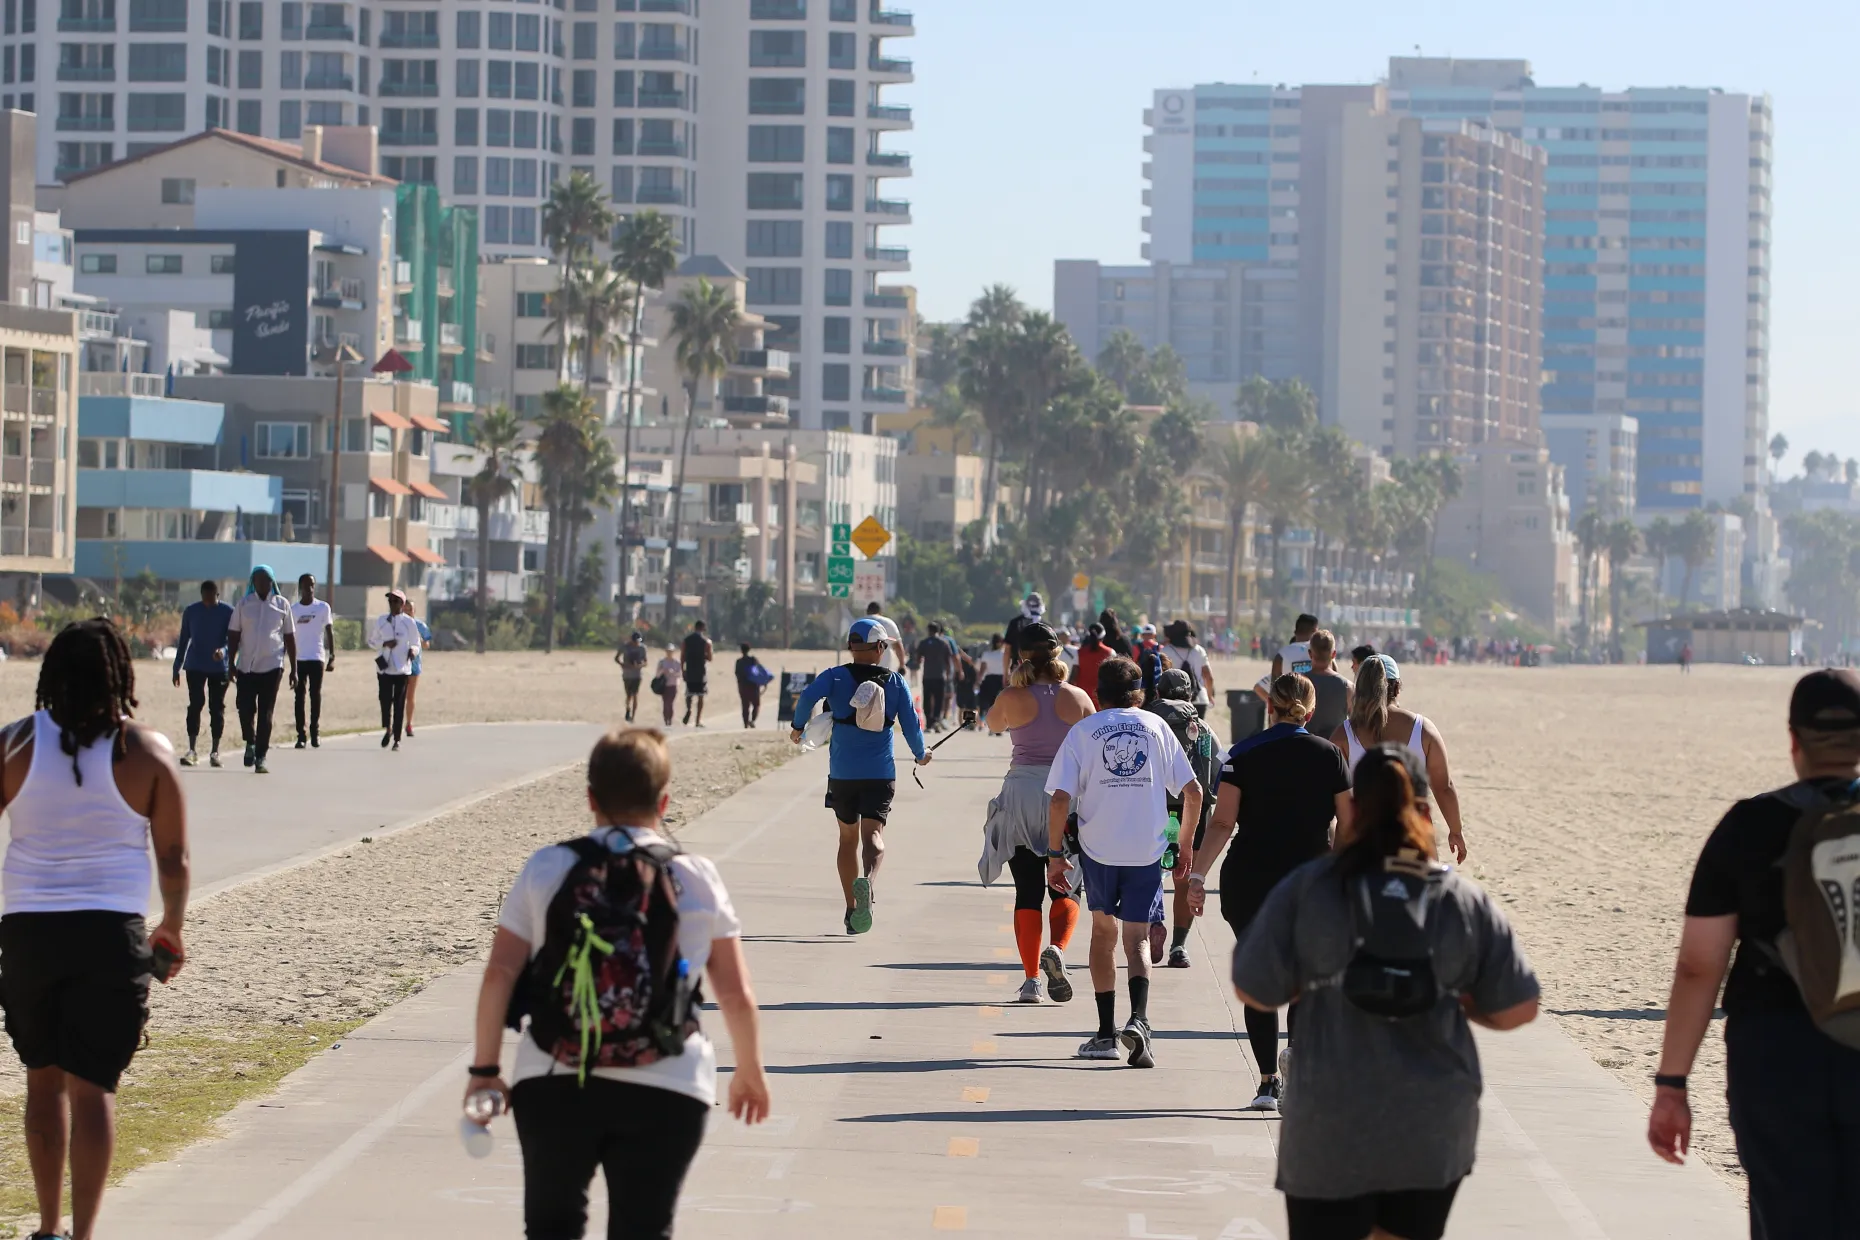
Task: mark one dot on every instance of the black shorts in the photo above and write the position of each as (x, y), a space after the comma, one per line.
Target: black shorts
(1416, 1214)
(75, 989)
(853, 799)
(699, 687)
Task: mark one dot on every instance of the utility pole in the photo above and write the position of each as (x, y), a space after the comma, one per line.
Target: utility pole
(342, 356)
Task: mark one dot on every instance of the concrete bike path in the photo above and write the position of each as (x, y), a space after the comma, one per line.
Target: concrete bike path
(911, 1096)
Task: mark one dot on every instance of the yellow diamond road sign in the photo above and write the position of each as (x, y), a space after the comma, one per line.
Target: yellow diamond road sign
(870, 537)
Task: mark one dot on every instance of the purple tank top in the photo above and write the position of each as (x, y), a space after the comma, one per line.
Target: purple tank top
(1037, 743)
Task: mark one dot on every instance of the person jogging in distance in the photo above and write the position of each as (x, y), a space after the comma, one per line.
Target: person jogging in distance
(1117, 769)
(1280, 791)
(696, 663)
(641, 1124)
(1387, 1111)
(259, 638)
(1093, 651)
(894, 656)
(994, 674)
(1375, 718)
(1032, 611)
(1174, 704)
(88, 790)
(861, 774)
(749, 685)
(1113, 634)
(1188, 654)
(315, 631)
(632, 658)
(1036, 712)
(937, 655)
(665, 681)
(200, 652)
(1793, 1091)
(1333, 688)
(398, 641)
(413, 664)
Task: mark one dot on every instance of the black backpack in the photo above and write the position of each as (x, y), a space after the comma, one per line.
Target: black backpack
(609, 988)
(1391, 971)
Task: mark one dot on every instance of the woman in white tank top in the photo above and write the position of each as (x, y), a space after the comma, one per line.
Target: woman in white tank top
(1374, 719)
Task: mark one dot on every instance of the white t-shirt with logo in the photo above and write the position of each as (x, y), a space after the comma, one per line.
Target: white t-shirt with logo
(1295, 657)
(310, 620)
(704, 914)
(1120, 767)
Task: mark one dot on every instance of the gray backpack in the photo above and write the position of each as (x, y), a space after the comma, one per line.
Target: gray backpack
(1820, 945)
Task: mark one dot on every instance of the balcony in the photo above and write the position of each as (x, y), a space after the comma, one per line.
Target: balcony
(887, 348)
(891, 17)
(887, 301)
(663, 194)
(409, 90)
(888, 112)
(896, 66)
(332, 32)
(762, 408)
(409, 331)
(403, 274)
(777, 10)
(87, 124)
(119, 383)
(328, 81)
(409, 137)
(665, 6)
(409, 38)
(456, 394)
(762, 361)
(664, 51)
(202, 490)
(93, 324)
(87, 25)
(896, 160)
(452, 337)
(885, 395)
(888, 206)
(348, 293)
(87, 73)
(674, 147)
(888, 253)
(662, 99)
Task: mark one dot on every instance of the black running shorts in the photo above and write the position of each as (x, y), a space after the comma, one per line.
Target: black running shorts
(853, 799)
(75, 989)
(1417, 1214)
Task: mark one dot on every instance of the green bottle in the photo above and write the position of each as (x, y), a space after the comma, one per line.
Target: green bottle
(1172, 834)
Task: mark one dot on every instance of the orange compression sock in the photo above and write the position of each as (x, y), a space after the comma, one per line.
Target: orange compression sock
(1027, 938)
(1062, 919)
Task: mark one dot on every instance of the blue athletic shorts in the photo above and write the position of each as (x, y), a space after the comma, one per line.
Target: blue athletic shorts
(1126, 892)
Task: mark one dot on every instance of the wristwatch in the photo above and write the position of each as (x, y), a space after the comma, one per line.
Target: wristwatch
(1197, 879)
(1664, 1081)
(1055, 854)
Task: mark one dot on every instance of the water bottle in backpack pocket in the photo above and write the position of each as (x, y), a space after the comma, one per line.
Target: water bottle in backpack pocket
(609, 987)
(1820, 944)
(1391, 970)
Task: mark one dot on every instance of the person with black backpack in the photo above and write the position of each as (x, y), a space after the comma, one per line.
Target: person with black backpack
(1777, 880)
(1175, 702)
(1390, 955)
(601, 946)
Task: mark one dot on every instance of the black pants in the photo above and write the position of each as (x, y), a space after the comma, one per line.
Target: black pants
(936, 699)
(310, 681)
(258, 697)
(1240, 902)
(392, 691)
(1795, 1110)
(1030, 888)
(991, 689)
(206, 689)
(751, 695)
(643, 1139)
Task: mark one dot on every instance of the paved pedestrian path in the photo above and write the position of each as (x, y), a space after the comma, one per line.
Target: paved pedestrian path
(911, 1096)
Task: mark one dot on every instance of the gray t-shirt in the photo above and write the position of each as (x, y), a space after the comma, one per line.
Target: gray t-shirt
(1333, 703)
(1379, 1106)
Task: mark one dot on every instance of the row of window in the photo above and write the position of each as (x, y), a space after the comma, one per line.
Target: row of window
(781, 191)
(154, 264)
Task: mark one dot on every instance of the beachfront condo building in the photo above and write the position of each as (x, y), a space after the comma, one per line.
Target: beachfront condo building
(780, 165)
(1656, 252)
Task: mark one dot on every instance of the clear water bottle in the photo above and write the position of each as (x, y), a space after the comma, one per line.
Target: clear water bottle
(481, 1107)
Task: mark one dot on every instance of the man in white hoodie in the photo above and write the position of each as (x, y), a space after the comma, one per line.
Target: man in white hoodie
(397, 639)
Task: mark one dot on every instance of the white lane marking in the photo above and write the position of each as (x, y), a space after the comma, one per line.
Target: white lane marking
(780, 814)
(360, 1142)
(1582, 1224)
(1194, 1184)
(1140, 1230)
(1246, 1229)
(744, 1204)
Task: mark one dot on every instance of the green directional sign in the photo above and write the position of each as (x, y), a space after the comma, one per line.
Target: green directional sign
(840, 548)
(839, 570)
(838, 590)
(841, 532)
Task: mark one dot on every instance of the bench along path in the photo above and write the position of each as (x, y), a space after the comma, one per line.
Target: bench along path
(910, 1095)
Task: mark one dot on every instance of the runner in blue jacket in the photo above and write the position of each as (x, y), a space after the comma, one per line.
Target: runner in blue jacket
(861, 774)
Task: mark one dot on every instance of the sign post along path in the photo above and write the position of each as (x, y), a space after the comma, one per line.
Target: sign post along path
(840, 561)
(868, 583)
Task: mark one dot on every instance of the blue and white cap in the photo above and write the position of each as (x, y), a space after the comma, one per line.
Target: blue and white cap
(865, 631)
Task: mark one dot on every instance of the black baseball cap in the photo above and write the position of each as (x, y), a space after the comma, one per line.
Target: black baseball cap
(1393, 753)
(1039, 633)
(1826, 701)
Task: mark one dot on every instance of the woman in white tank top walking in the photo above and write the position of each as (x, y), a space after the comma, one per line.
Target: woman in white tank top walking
(1375, 718)
(87, 791)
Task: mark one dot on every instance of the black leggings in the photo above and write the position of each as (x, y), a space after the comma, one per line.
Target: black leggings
(642, 1137)
(1262, 1030)
(257, 697)
(1030, 889)
(204, 689)
(310, 683)
(392, 691)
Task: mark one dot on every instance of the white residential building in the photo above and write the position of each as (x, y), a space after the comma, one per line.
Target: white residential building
(778, 165)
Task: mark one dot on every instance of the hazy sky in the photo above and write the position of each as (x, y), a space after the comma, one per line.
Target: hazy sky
(1029, 138)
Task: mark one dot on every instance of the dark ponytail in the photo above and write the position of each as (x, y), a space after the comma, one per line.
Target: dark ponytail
(1387, 818)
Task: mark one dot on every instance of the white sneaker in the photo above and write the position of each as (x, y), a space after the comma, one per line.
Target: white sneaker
(1285, 1077)
(189, 759)
(1029, 991)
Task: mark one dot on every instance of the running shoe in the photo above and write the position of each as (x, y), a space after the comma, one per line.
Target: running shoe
(1029, 991)
(188, 759)
(251, 753)
(387, 738)
(213, 759)
(1271, 1089)
(301, 742)
(860, 919)
(1099, 1048)
(1159, 939)
(849, 928)
(314, 744)
(410, 730)
(396, 746)
(1178, 958)
(259, 768)
(1058, 985)
(1285, 1076)
(1136, 1040)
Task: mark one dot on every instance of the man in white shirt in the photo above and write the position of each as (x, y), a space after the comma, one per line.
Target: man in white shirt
(258, 641)
(1117, 770)
(316, 653)
(1187, 653)
(1294, 656)
(397, 638)
(893, 657)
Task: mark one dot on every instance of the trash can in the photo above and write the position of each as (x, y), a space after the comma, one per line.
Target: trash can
(1247, 712)
(793, 684)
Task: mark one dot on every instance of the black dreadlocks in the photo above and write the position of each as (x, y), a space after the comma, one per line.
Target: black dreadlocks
(88, 683)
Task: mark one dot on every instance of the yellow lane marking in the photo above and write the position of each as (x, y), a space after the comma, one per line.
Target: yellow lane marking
(1007, 908)
(950, 1218)
(982, 1048)
(1004, 929)
(964, 1147)
(1005, 953)
(975, 1093)
(998, 979)
(987, 1012)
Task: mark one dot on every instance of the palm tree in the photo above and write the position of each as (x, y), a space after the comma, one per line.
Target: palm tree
(1287, 499)
(499, 436)
(645, 254)
(567, 429)
(1242, 465)
(1045, 358)
(998, 306)
(1254, 398)
(575, 218)
(594, 484)
(595, 298)
(1779, 448)
(704, 323)
(1658, 539)
(989, 384)
(1621, 540)
(1122, 359)
(1693, 541)
(1591, 529)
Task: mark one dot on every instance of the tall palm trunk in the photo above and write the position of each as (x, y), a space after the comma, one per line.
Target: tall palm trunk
(678, 502)
(587, 349)
(484, 570)
(1234, 528)
(1278, 572)
(552, 559)
(626, 439)
(990, 486)
(1614, 610)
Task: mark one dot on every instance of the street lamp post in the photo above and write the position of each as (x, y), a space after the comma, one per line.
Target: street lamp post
(342, 356)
